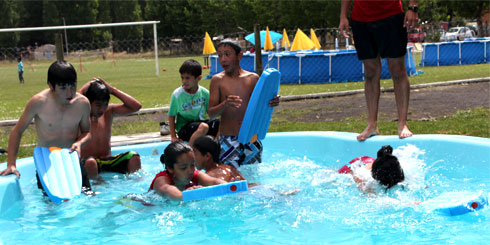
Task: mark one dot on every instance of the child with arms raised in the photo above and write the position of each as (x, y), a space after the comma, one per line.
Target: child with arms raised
(180, 173)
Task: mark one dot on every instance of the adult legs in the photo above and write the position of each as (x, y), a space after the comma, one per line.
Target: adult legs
(372, 69)
(401, 84)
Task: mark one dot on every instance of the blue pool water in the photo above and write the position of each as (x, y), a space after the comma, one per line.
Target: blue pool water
(328, 208)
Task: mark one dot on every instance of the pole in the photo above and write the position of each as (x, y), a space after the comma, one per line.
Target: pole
(155, 43)
(258, 50)
(66, 38)
(59, 46)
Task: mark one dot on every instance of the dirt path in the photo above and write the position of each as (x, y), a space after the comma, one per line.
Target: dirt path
(425, 104)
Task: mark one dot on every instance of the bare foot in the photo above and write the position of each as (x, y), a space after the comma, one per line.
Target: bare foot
(368, 132)
(404, 132)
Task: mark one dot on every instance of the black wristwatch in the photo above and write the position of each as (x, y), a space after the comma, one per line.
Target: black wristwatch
(414, 8)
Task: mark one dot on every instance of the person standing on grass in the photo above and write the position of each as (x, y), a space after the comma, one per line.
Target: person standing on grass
(188, 112)
(20, 69)
(96, 155)
(229, 94)
(61, 117)
(380, 31)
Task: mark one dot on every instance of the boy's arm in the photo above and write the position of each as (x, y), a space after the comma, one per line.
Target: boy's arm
(171, 125)
(130, 104)
(84, 125)
(16, 134)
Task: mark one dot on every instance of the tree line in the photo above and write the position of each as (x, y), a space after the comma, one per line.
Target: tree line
(194, 17)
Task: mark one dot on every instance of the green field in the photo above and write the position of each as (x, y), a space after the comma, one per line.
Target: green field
(137, 77)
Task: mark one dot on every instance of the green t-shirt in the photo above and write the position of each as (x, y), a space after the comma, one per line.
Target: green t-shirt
(187, 107)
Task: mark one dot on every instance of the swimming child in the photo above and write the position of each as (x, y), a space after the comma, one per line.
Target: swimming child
(385, 169)
(180, 172)
(206, 152)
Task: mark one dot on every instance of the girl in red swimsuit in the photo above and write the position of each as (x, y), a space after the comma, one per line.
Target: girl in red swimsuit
(385, 168)
(180, 173)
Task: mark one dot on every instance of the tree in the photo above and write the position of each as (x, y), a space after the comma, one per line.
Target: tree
(9, 18)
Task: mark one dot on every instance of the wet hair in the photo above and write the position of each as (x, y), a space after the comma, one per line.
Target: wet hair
(61, 72)
(231, 43)
(191, 67)
(386, 169)
(207, 143)
(97, 91)
(172, 152)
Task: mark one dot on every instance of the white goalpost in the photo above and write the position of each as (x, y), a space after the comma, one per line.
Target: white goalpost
(64, 27)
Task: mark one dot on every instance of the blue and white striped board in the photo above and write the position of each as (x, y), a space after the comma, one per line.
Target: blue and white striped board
(258, 115)
(59, 172)
(215, 191)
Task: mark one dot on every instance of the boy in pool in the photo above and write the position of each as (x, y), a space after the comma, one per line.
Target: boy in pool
(180, 173)
(97, 155)
(229, 94)
(188, 112)
(61, 116)
(385, 169)
(206, 151)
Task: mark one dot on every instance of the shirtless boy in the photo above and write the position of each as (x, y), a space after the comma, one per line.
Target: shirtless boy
(229, 94)
(60, 114)
(97, 154)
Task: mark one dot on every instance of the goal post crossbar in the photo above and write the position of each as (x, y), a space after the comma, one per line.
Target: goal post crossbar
(45, 28)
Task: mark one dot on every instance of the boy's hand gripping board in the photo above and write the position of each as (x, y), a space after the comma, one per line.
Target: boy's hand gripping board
(59, 172)
(258, 115)
(215, 191)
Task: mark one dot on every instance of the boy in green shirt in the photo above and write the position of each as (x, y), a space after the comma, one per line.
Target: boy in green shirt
(188, 112)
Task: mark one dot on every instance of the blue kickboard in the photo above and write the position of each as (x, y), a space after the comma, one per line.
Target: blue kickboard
(59, 172)
(463, 205)
(215, 191)
(258, 115)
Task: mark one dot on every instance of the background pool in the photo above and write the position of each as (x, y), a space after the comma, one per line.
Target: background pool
(327, 209)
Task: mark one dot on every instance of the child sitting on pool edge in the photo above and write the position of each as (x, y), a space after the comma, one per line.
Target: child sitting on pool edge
(180, 173)
(206, 151)
(386, 169)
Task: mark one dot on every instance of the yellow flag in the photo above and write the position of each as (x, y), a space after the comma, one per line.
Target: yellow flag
(208, 45)
(315, 39)
(268, 41)
(285, 39)
(302, 41)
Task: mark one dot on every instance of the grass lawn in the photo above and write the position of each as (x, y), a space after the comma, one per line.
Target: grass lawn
(137, 77)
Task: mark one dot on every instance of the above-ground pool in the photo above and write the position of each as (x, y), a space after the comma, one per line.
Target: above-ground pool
(321, 66)
(471, 51)
(327, 209)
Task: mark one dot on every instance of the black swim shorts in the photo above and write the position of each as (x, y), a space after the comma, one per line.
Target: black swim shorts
(386, 38)
(187, 130)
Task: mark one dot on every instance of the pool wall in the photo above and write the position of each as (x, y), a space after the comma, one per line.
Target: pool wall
(318, 146)
(475, 51)
(323, 66)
